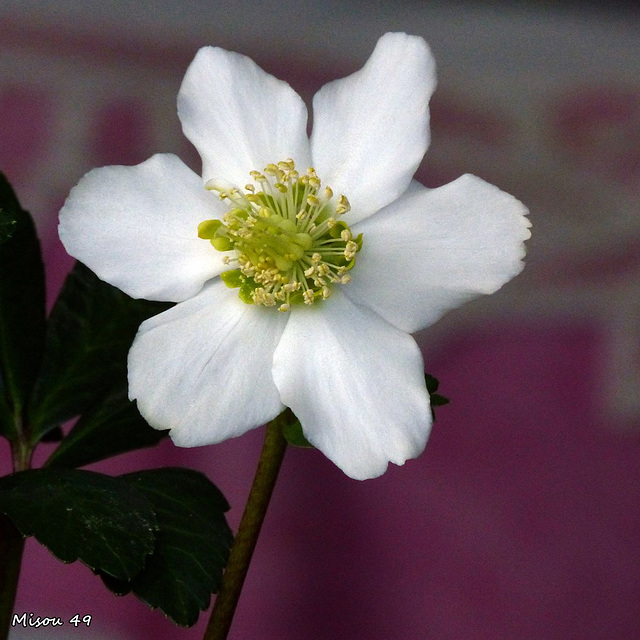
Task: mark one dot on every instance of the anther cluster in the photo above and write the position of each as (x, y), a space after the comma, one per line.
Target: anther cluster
(284, 236)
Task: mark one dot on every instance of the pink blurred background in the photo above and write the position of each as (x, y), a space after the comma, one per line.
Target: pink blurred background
(522, 518)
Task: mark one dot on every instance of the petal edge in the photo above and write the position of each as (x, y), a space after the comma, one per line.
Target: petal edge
(136, 228)
(356, 384)
(239, 117)
(371, 129)
(434, 249)
(198, 369)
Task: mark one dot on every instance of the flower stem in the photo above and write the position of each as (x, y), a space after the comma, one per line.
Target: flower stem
(264, 481)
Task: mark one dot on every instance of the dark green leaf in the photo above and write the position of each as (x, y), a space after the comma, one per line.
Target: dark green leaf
(7, 224)
(431, 382)
(103, 521)
(91, 328)
(436, 399)
(192, 545)
(111, 427)
(292, 432)
(22, 311)
(55, 435)
(8, 422)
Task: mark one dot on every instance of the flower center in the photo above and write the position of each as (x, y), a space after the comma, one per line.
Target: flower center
(290, 246)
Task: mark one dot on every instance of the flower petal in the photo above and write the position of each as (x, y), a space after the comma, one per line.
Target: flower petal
(239, 117)
(434, 249)
(203, 368)
(357, 385)
(137, 228)
(371, 130)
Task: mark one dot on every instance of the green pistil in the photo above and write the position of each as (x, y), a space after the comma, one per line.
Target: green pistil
(289, 246)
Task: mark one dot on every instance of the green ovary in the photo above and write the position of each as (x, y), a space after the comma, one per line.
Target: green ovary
(289, 246)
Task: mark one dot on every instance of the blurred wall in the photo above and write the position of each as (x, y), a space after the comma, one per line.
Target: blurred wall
(522, 518)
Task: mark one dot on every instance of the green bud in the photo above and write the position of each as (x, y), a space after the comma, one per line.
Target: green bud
(283, 223)
(283, 264)
(304, 240)
(233, 279)
(222, 243)
(245, 293)
(208, 228)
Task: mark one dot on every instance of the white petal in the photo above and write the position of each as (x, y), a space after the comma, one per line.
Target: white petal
(356, 384)
(239, 117)
(371, 130)
(137, 228)
(434, 249)
(203, 368)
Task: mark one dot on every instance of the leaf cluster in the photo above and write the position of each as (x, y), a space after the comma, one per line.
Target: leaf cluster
(160, 534)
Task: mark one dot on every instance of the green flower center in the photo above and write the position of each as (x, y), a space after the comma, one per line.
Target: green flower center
(289, 245)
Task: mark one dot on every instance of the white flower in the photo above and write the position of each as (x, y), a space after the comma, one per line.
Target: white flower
(389, 256)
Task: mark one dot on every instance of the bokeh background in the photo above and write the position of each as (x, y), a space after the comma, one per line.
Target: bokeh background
(521, 521)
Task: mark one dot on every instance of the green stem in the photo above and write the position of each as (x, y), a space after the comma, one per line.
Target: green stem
(11, 547)
(245, 542)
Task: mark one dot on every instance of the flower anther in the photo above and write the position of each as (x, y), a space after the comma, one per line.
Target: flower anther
(289, 245)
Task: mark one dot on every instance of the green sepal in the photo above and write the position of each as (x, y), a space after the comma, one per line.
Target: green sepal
(22, 311)
(293, 434)
(233, 278)
(111, 427)
(103, 521)
(91, 328)
(192, 544)
(358, 241)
